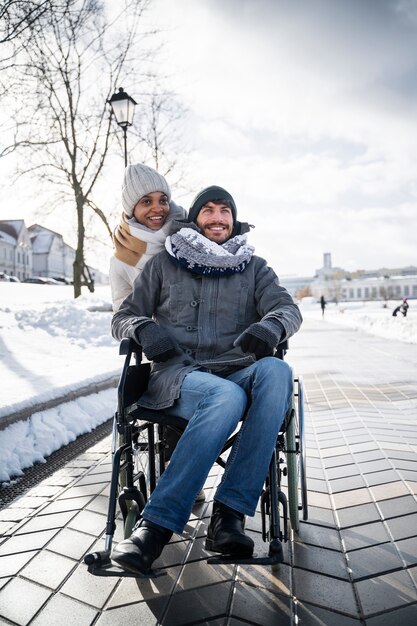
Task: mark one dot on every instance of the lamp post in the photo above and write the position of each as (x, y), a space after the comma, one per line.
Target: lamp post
(123, 107)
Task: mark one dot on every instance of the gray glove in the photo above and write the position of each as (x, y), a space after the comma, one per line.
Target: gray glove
(261, 338)
(156, 343)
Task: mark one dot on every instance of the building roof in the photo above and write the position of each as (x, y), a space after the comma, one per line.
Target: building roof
(42, 238)
(12, 227)
(42, 242)
(6, 238)
(37, 228)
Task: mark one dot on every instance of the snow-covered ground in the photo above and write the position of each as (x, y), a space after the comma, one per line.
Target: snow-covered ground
(372, 317)
(51, 344)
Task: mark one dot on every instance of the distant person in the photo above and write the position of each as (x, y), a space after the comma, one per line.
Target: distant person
(402, 308)
(323, 305)
(148, 212)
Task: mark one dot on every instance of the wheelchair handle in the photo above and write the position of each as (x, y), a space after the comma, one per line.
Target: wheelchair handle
(128, 346)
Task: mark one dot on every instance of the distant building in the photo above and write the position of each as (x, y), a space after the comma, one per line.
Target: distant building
(15, 249)
(37, 251)
(51, 256)
(296, 284)
(337, 284)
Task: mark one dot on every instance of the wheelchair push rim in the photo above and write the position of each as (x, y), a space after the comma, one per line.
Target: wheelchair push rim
(296, 459)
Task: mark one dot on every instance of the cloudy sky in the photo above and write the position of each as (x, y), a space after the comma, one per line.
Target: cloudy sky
(306, 111)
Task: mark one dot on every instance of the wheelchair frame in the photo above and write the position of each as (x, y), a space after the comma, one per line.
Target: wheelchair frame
(139, 459)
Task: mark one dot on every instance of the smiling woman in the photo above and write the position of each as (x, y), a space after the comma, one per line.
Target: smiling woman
(152, 210)
(148, 212)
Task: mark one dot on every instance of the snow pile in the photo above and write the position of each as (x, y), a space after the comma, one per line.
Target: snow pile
(51, 344)
(27, 442)
(71, 321)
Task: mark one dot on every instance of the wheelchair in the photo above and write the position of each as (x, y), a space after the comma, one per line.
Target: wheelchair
(139, 457)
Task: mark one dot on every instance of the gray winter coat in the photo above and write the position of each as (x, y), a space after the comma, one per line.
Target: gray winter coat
(204, 315)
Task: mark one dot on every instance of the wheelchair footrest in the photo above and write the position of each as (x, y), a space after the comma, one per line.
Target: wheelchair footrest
(273, 559)
(100, 564)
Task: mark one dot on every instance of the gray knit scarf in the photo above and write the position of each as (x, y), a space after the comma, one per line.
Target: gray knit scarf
(198, 254)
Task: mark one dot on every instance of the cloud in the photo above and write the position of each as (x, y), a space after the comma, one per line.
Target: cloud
(306, 112)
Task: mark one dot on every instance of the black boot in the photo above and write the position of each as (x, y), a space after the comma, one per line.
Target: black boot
(137, 553)
(226, 532)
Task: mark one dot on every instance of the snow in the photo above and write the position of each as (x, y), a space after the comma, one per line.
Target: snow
(371, 317)
(51, 344)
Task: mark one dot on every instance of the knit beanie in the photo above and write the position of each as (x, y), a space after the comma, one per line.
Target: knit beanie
(211, 194)
(139, 180)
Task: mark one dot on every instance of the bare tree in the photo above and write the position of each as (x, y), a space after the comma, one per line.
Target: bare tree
(18, 15)
(160, 132)
(70, 66)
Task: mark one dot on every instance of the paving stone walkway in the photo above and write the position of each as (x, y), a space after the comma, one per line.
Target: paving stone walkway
(353, 563)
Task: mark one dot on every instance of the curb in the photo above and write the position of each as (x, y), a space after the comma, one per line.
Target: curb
(87, 390)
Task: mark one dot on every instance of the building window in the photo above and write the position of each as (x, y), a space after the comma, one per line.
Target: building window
(406, 290)
(373, 292)
(359, 292)
(366, 292)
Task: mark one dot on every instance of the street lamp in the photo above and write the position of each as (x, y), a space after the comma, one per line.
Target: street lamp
(123, 107)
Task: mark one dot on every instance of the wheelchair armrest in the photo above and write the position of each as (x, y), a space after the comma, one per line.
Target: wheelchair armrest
(281, 349)
(128, 347)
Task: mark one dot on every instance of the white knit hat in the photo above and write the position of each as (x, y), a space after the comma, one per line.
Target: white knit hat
(140, 180)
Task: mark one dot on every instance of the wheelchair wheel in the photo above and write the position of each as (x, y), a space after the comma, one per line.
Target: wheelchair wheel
(147, 459)
(303, 451)
(292, 469)
(138, 472)
(296, 459)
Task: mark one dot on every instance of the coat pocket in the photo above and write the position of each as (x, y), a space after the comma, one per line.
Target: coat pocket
(243, 307)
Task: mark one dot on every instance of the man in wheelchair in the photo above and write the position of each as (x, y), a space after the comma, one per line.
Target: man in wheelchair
(208, 314)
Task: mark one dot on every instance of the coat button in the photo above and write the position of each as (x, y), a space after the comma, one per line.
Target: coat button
(189, 328)
(188, 351)
(193, 303)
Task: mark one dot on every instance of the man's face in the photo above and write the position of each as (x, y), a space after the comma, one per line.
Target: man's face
(152, 210)
(215, 222)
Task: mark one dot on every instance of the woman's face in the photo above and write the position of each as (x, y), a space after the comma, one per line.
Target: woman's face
(152, 210)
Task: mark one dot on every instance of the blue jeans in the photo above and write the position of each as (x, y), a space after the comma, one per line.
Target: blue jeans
(260, 395)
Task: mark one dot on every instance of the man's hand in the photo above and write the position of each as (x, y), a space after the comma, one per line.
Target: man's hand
(156, 343)
(261, 338)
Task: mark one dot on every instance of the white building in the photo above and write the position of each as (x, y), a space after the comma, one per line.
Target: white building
(295, 284)
(339, 285)
(37, 251)
(15, 249)
(52, 257)
(380, 288)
